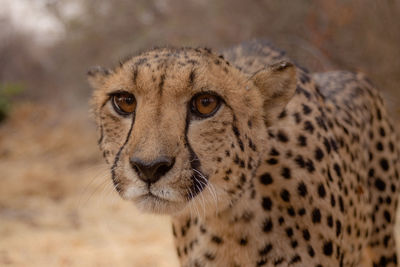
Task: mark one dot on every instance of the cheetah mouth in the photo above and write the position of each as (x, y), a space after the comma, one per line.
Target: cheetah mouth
(150, 196)
(152, 203)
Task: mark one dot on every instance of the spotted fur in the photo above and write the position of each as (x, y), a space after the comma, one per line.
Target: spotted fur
(293, 169)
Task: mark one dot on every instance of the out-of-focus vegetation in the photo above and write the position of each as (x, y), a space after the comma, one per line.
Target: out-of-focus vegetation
(322, 35)
(7, 92)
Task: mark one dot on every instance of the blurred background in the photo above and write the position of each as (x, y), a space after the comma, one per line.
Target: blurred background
(57, 205)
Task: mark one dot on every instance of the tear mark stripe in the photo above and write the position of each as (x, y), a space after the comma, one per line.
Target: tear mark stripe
(199, 179)
(114, 179)
(100, 140)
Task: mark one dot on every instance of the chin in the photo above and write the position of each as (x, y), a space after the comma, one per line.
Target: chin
(152, 204)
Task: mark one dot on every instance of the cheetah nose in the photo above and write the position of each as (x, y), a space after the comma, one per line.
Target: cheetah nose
(151, 172)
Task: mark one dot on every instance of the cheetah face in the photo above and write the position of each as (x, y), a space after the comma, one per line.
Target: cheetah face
(182, 130)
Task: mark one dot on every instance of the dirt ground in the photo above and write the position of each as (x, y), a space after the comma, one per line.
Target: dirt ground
(57, 204)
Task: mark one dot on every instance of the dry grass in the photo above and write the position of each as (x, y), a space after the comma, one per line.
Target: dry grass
(57, 205)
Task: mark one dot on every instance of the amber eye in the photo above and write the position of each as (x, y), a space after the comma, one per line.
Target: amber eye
(124, 103)
(205, 104)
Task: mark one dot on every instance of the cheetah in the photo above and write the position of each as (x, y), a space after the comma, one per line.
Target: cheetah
(257, 161)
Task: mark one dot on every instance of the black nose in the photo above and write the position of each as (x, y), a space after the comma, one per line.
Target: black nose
(151, 172)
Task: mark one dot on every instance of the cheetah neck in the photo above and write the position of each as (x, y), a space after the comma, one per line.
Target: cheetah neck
(217, 239)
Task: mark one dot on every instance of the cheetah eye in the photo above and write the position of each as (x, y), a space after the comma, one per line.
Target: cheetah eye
(205, 104)
(124, 103)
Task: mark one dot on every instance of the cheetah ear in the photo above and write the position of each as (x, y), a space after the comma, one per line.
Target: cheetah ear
(277, 84)
(97, 76)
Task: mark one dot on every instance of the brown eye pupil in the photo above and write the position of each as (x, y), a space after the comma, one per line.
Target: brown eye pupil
(205, 104)
(129, 100)
(124, 103)
(206, 101)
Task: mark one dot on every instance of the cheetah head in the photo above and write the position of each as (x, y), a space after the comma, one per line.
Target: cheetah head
(182, 129)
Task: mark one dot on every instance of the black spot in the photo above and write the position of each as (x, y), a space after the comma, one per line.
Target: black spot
(316, 216)
(285, 195)
(306, 109)
(297, 117)
(306, 235)
(384, 164)
(266, 179)
(174, 231)
(319, 154)
(274, 152)
(302, 140)
(209, 256)
(328, 248)
(302, 189)
(338, 227)
(302, 211)
(310, 166)
(329, 220)
(252, 145)
(261, 262)
(216, 239)
(321, 123)
(371, 172)
(300, 161)
(203, 230)
(341, 204)
(241, 163)
(321, 191)
(327, 145)
(183, 231)
(386, 240)
(267, 203)
(291, 212)
(334, 144)
(336, 167)
(272, 161)
(380, 184)
(311, 251)
(267, 226)
(391, 146)
(265, 250)
(386, 214)
(308, 126)
(378, 114)
(243, 241)
(289, 232)
(295, 259)
(286, 173)
(282, 137)
(283, 114)
(379, 146)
